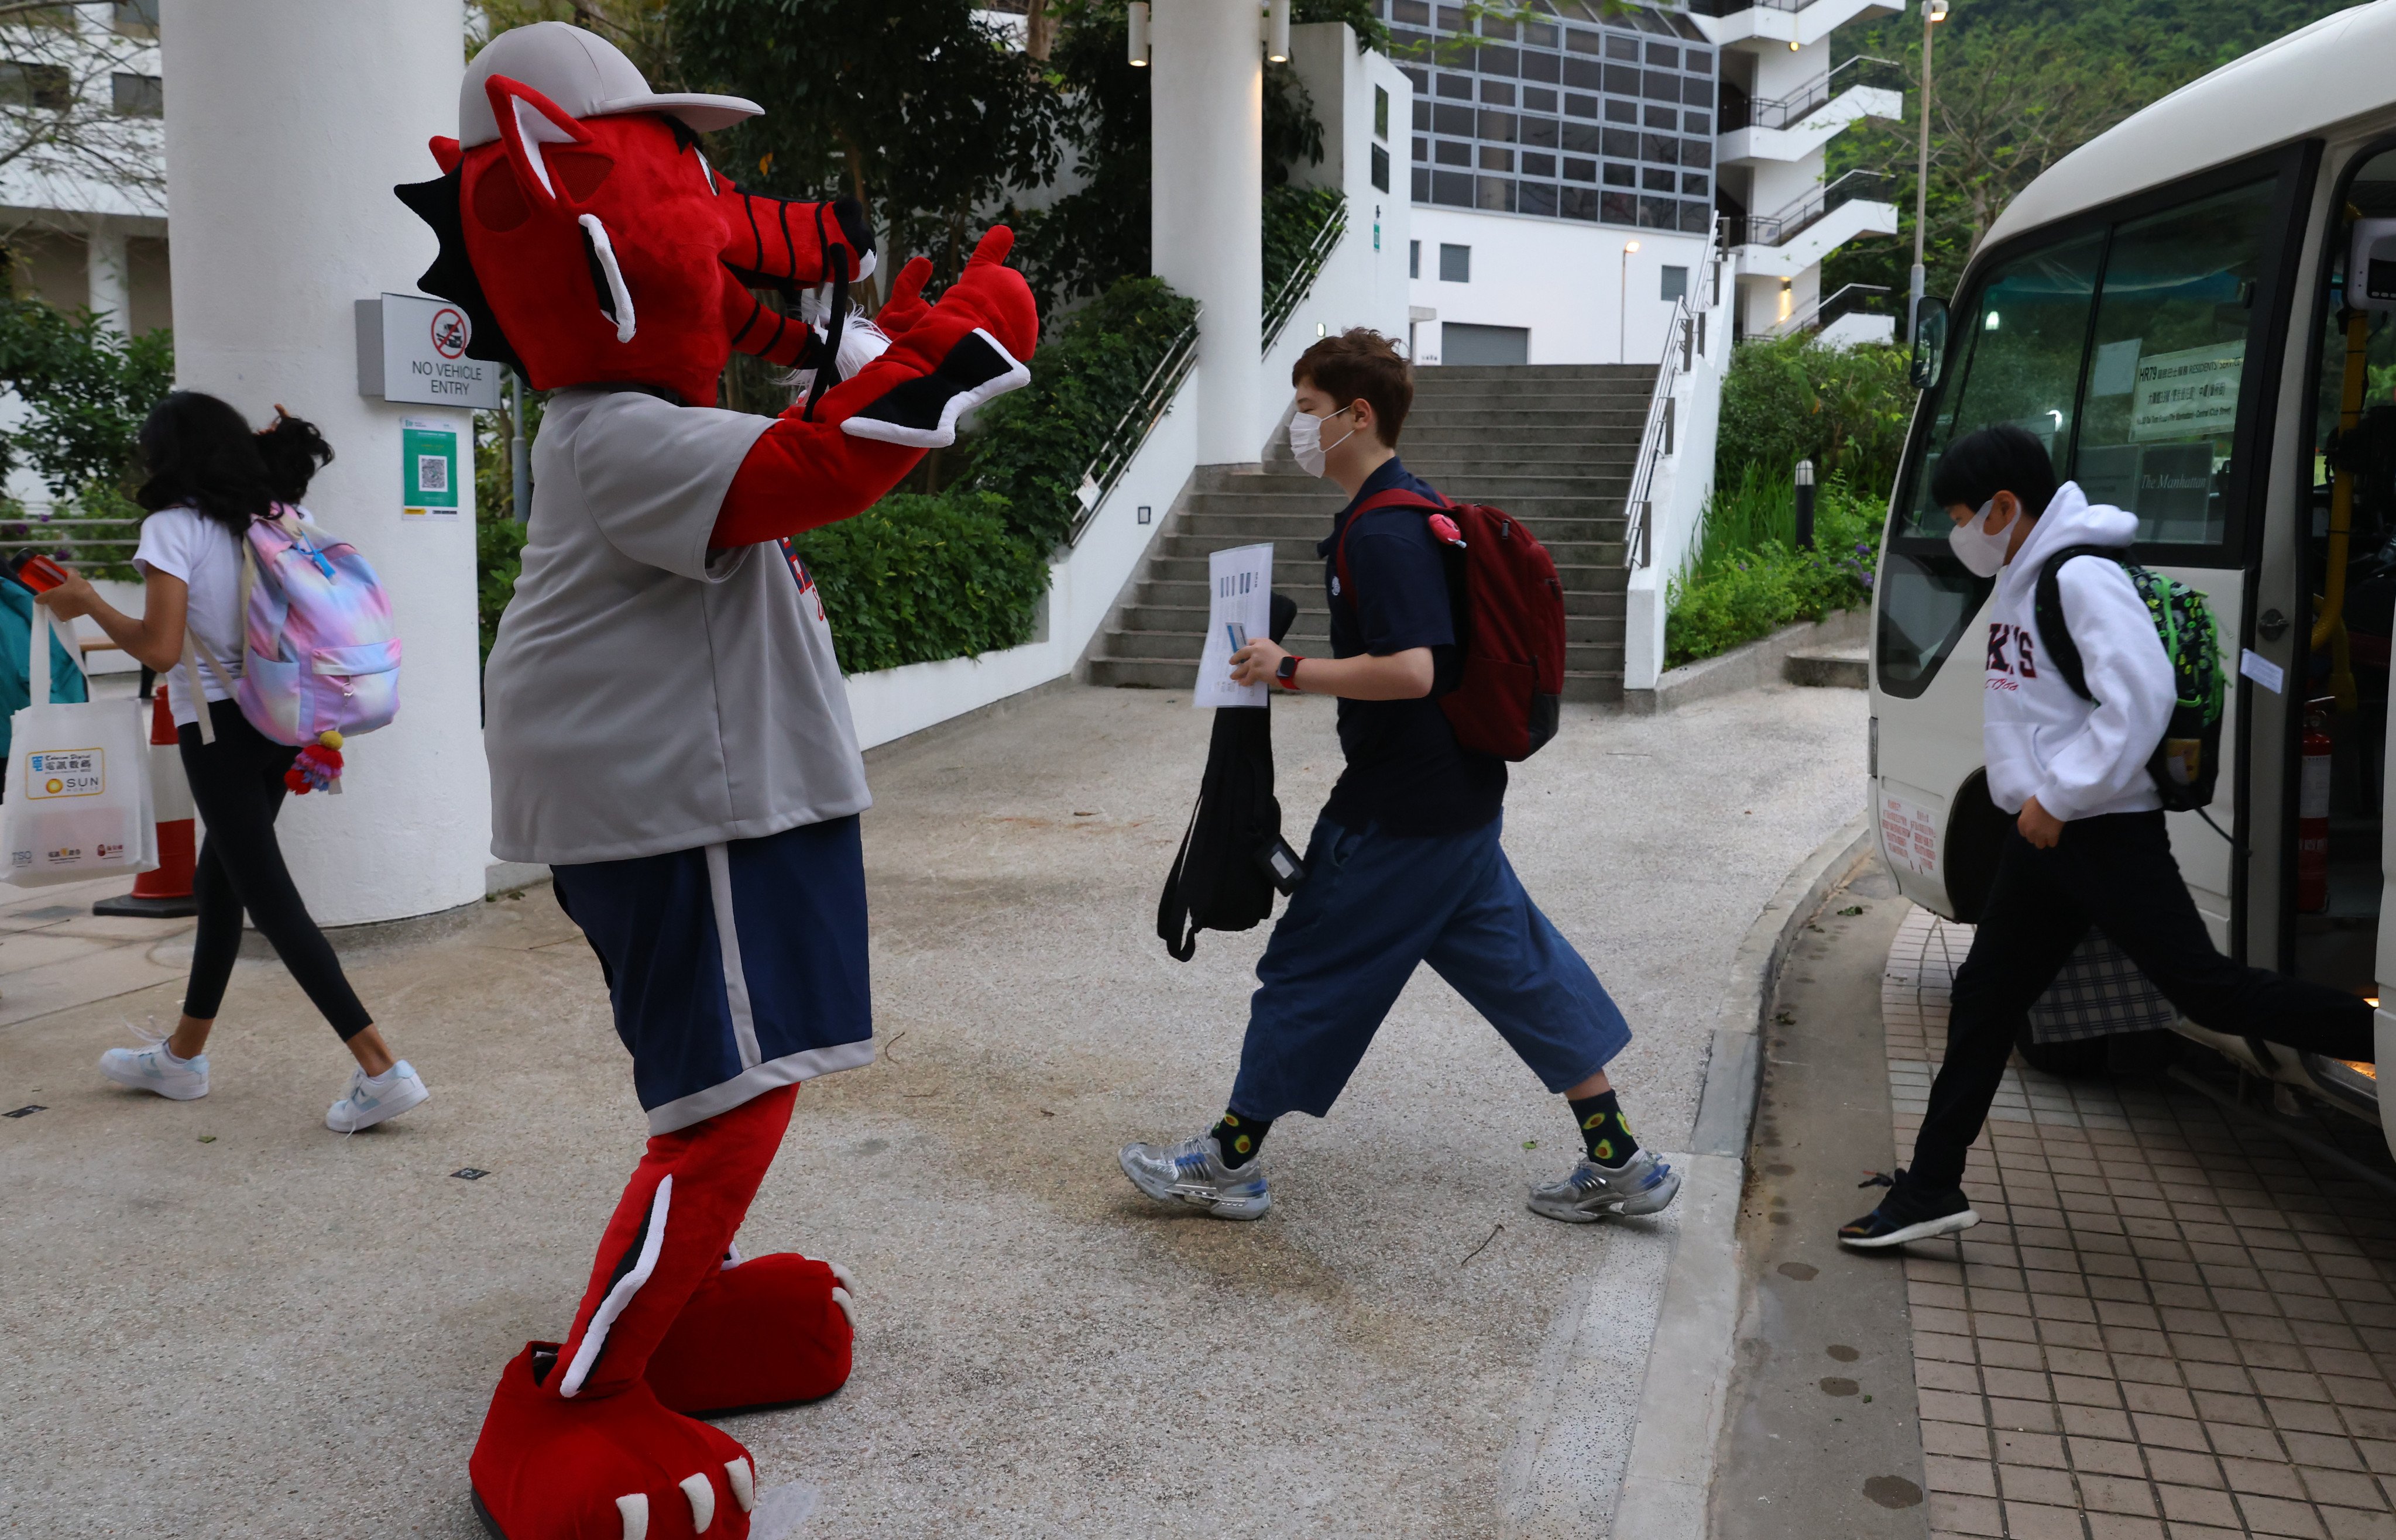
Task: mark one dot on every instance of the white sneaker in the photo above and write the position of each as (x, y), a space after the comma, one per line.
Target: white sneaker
(154, 1068)
(377, 1098)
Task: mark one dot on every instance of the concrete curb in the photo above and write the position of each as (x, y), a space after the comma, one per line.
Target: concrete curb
(1745, 667)
(1666, 1485)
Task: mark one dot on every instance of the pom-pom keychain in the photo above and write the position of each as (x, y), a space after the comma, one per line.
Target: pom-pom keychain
(318, 769)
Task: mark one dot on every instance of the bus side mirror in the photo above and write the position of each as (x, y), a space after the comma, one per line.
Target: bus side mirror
(1929, 343)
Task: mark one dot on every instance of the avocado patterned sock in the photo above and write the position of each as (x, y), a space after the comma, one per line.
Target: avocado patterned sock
(1239, 1138)
(1604, 1129)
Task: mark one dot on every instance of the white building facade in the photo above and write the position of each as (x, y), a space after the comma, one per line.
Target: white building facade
(1569, 167)
(84, 215)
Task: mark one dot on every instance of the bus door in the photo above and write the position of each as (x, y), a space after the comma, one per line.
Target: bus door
(2336, 740)
(2136, 344)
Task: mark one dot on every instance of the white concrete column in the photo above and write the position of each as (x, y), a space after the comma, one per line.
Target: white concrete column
(288, 123)
(107, 271)
(1206, 106)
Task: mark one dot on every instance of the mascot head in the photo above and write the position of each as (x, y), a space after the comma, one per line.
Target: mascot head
(588, 241)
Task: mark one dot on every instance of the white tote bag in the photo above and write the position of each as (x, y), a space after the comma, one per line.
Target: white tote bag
(78, 798)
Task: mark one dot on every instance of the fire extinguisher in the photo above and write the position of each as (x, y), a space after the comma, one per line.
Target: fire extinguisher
(2312, 812)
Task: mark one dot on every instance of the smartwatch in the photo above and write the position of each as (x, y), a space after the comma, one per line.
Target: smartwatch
(1287, 672)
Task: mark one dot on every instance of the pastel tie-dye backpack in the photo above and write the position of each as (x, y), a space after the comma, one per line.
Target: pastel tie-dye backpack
(320, 661)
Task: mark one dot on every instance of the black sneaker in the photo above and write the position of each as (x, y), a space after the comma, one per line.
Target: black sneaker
(1908, 1214)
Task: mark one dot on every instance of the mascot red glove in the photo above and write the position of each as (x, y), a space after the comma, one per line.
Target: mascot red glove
(666, 726)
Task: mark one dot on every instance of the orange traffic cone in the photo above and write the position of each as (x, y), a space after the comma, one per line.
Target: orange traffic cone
(165, 892)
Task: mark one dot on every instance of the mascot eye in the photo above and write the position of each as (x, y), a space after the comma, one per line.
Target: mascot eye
(498, 203)
(580, 170)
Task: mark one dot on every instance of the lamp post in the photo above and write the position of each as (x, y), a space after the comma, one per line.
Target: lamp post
(1622, 306)
(1933, 12)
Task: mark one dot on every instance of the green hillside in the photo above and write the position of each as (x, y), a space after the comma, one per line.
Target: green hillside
(2019, 84)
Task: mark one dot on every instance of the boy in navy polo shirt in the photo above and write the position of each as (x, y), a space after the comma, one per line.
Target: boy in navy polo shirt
(1405, 866)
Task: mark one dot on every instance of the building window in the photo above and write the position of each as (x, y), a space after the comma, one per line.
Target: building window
(1414, 258)
(1380, 113)
(1676, 283)
(1455, 263)
(136, 18)
(45, 85)
(138, 95)
(1531, 76)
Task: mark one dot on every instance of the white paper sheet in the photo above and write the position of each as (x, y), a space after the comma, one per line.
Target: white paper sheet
(2262, 671)
(1239, 609)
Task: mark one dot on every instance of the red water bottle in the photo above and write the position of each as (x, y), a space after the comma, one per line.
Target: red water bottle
(2312, 812)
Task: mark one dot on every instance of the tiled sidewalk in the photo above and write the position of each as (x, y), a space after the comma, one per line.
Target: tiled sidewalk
(2168, 1323)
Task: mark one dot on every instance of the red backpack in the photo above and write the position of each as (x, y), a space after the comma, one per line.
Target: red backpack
(1510, 620)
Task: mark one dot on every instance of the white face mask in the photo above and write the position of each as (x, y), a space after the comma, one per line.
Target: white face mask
(1982, 553)
(1306, 441)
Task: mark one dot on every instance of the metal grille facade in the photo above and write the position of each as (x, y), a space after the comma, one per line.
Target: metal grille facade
(1573, 117)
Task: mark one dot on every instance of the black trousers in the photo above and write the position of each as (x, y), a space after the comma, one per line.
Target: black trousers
(238, 786)
(2115, 872)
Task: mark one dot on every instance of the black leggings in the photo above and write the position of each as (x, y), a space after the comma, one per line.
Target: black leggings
(238, 786)
(2116, 873)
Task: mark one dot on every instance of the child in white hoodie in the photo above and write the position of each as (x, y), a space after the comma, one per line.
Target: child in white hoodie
(2089, 846)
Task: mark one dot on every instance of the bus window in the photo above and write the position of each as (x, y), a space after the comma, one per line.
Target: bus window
(2012, 356)
(2020, 343)
(2161, 401)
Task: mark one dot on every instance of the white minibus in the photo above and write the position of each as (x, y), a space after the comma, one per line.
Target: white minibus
(2196, 311)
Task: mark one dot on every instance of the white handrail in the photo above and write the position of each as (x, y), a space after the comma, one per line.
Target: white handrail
(1680, 350)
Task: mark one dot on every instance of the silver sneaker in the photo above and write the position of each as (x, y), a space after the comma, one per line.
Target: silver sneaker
(1192, 1172)
(154, 1068)
(1641, 1184)
(373, 1101)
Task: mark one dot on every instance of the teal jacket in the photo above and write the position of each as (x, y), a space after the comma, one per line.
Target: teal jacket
(67, 682)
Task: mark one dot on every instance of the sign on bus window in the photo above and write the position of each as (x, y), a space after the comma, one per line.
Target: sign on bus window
(2160, 405)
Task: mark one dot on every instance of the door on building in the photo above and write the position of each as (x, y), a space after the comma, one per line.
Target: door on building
(1461, 342)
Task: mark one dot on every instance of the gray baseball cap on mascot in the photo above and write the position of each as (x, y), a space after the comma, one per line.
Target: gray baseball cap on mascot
(585, 74)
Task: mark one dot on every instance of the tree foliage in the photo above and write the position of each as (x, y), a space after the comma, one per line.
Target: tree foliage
(920, 110)
(2017, 85)
(86, 387)
(1084, 242)
(1030, 445)
(1792, 399)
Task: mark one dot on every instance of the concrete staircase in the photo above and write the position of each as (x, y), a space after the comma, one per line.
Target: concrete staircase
(1551, 444)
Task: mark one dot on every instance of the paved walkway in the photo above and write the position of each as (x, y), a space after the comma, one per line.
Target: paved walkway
(223, 1320)
(2170, 1322)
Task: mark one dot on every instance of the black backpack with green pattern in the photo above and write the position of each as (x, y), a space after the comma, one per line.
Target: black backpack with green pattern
(2187, 760)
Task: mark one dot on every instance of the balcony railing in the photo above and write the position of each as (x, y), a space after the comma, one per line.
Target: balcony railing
(1131, 429)
(1786, 112)
(1865, 299)
(1283, 302)
(1684, 341)
(1732, 7)
(1780, 228)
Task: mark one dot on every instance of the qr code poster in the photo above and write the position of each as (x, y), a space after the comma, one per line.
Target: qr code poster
(428, 456)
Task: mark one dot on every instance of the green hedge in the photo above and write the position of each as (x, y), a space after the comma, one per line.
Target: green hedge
(915, 578)
(1031, 445)
(1747, 579)
(1293, 217)
(1844, 408)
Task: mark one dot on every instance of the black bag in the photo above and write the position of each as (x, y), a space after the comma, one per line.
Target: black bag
(2187, 762)
(1232, 857)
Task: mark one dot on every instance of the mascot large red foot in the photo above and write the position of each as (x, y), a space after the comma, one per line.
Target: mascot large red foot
(666, 726)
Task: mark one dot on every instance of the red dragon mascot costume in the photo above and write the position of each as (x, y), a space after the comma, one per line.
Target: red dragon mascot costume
(667, 728)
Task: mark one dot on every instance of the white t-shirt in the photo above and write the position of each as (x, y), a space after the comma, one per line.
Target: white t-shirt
(185, 543)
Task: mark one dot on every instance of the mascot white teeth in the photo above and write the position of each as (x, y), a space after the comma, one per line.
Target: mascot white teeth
(668, 730)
